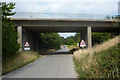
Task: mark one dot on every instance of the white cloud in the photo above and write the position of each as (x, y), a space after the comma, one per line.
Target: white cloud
(55, 7)
(30, 7)
(67, 6)
(65, 35)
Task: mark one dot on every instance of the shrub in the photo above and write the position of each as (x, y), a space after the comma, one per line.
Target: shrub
(98, 38)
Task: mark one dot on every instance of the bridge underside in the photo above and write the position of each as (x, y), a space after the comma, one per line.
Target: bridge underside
(71, 29)
(31, 34)
(29, 29)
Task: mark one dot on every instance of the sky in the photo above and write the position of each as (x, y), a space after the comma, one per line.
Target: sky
(99, 7)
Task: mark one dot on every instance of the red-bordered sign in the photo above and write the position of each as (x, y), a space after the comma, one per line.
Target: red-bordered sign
(82, 43)
(27, 44)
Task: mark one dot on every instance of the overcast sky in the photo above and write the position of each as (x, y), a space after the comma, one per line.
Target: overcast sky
(64, 6)
(103, 7)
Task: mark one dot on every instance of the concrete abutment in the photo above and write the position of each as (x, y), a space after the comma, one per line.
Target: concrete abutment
(86, 35)
(27, 35)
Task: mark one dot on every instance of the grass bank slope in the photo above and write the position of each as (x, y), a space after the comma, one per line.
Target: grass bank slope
(101, 61)
(18, 61)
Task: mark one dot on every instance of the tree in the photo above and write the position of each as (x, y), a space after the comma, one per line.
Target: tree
(98, 38)
(108, 17)
(50, 40)
(116, 17)
(9, 35)
(72, 40)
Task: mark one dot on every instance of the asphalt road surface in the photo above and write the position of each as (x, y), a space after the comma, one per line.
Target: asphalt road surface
(63, 50)
(48, 66)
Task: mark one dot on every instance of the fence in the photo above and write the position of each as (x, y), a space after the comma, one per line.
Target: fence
(60, 15)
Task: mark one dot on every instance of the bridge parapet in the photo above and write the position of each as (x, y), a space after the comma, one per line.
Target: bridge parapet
(61, 15)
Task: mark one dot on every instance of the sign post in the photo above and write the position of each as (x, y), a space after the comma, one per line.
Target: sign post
(77, 44)
(27, 46)
(82, 44)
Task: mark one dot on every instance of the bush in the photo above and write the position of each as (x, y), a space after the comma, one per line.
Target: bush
(49, 41)
(98, 38)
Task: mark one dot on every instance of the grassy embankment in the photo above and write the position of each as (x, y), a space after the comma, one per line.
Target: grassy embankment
(101, 61)
(18, 61)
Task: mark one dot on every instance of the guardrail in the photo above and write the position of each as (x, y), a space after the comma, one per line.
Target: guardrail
(61, 15)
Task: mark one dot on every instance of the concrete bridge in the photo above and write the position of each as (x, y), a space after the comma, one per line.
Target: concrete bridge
(28, 28)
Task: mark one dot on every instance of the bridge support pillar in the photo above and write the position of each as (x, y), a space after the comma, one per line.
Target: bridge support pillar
(19, 31)
(89, 35)
(86, 35)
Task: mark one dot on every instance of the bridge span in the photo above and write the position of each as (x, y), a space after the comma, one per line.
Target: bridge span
(28, 28)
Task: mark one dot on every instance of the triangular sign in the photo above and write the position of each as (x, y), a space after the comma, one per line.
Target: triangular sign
(82, 42)
(26, 44)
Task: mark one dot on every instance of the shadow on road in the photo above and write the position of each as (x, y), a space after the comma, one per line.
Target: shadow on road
(61, 53)
(62, 50)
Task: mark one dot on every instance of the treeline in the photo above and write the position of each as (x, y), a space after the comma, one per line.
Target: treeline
(98, 38)
(49, 41)
(72, 40)
(54, 40)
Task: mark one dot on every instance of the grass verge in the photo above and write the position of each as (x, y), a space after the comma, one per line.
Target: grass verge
(18, 61)
(102, 64)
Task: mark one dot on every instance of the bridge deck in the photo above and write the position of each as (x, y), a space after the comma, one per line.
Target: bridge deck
(57, 19)
(66, 25)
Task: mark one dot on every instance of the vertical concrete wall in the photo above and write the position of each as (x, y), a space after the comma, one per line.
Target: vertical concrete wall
(28, 35)
(31, 37)
(36, 41)
(19, 30)
(86, 35)
(89, 35)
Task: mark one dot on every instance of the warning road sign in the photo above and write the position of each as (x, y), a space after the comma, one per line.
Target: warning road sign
(26, 46)
(82, 43)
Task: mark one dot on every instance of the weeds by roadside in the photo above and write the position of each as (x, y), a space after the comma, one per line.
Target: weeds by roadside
(101, 61)
(18, 61)
(104, 64)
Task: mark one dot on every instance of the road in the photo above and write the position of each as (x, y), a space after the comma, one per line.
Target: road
(63, 50)
(48, 66)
